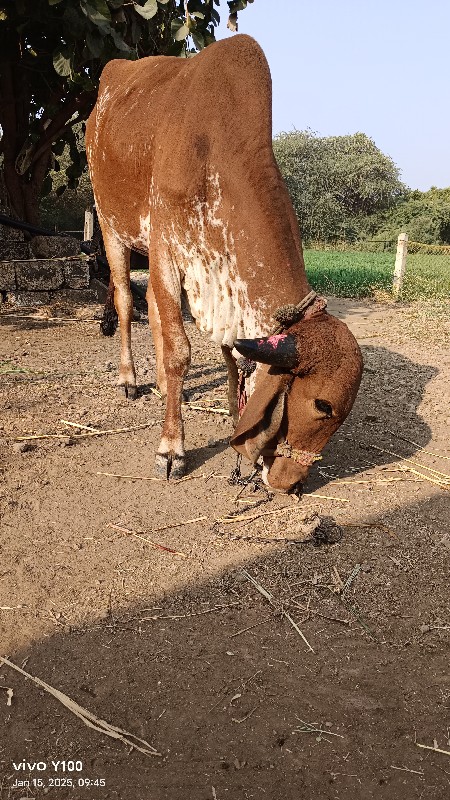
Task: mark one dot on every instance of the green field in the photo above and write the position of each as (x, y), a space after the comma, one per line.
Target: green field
(355, 274)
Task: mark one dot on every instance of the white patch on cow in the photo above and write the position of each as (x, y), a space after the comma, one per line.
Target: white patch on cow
(144, 232)
(264, 475)
(217, 295)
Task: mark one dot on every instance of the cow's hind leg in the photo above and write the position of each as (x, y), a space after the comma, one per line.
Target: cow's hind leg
(119, 260)
(232, 383)
(176, 356)
(155, 325)
(108, 325)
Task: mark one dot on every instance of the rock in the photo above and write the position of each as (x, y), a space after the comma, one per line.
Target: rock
(39, 275)
(66, 441)
(54, 246)
(10, 251)
(28, 299)
(7, 276)
(76, 274)
(23, 447)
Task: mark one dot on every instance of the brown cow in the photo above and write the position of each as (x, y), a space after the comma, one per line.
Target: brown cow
(181, 161)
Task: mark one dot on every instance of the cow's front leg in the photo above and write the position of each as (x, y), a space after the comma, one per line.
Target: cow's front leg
(170, 459)
(232, 383)
(119, 261)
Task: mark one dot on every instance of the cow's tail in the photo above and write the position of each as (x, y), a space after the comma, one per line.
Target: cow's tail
(108, 325)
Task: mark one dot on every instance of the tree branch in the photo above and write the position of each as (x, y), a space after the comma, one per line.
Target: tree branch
(82, 105)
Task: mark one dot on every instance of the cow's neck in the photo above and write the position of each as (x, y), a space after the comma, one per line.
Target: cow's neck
(269, 256)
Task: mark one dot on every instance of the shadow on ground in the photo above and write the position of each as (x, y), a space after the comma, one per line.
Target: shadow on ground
(222, 685)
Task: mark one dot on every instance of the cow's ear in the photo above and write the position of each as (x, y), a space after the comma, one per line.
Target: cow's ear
(262, 416)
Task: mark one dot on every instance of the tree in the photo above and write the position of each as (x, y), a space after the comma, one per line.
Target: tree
(424, 216)
(335, 182)
(51, 55)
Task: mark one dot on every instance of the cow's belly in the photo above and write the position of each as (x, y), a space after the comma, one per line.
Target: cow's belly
(218, 299)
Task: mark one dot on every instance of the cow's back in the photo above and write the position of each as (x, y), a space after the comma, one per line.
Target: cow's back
(164, 117)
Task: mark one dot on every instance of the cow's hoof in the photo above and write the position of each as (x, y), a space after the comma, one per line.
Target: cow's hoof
(177, 467)
(162, 465)
(127, 391)
(169, 466)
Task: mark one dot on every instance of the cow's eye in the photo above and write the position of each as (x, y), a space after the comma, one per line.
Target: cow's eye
(324, 407)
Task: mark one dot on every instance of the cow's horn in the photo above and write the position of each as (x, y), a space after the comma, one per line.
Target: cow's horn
(279, 350)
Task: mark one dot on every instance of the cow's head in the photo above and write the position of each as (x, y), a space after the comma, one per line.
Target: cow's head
(300, 399)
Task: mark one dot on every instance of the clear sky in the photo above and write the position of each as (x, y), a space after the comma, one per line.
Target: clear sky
(377, 66)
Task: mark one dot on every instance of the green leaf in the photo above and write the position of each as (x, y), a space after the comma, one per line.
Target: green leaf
(148, 10)
(179, 29)
(232, 23)
(95, 42)
(73, 24)
(62, 62)
(163, 2)
(54, 2)
(198, 40)
(119, 42)
(98, 12)
(209, 38)
(174, 49)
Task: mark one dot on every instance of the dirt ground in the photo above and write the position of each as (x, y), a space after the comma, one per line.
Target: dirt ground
(182, 649)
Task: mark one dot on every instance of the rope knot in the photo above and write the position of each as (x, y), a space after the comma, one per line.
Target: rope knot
(290, 314)
(245, 366)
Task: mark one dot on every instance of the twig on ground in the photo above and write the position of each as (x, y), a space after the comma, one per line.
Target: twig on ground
(250, 627)
(269, 598)
(421, 449)
(42, 318)
(444, 477)
(233, 719)
(435, 749)
(372, 480)
(195, 407)
(82, 435)
(193, 614)
(319, 614)
(77, 425)
(406, 769)
(252, 517)
(156, 545)
(131, 477)
(437, 482)
(356, 569)
(86, 716)
(325, 497)
(309, 727)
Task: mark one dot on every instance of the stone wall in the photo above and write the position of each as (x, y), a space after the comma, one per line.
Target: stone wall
(45, 270)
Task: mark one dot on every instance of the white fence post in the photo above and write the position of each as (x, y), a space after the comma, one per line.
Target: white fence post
(400, 264)
(88, 225)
